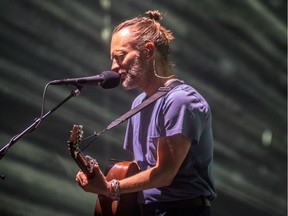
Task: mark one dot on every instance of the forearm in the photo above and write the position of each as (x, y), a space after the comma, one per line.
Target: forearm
(171, 152)
(151, 178)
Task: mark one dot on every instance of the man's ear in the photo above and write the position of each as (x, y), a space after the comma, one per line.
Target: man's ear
(149, 50)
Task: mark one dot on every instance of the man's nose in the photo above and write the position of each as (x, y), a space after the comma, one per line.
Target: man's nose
(115, 66)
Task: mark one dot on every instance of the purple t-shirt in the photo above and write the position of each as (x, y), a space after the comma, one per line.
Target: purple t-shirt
(181, 110)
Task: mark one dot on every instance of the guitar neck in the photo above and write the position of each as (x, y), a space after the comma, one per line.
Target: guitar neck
(85, 163)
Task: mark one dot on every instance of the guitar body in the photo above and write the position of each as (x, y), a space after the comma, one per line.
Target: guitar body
(127, 205)
(105, 206)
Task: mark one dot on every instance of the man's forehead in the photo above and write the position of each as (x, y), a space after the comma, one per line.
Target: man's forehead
(124, 32)
(121, 40)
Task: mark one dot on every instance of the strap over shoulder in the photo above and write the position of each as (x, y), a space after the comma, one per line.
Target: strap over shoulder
(160, 93)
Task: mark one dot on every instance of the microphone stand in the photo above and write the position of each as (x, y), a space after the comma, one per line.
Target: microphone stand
(34, 125)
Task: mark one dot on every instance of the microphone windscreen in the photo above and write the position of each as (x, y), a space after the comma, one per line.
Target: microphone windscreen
(111, 79)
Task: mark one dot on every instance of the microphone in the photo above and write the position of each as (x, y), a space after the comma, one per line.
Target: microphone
(107, 79)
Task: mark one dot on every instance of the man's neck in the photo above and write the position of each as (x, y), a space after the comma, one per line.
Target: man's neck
(153, 86)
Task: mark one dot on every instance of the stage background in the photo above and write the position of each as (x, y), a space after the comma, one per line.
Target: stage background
(233, 52)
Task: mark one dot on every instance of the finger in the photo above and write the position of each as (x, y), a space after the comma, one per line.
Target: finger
(81, 179)
(78, 177)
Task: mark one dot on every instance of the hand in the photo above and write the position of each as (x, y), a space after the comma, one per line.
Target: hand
(97, 184)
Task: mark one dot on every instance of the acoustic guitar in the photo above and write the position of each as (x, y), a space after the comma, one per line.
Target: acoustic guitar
(105, 206)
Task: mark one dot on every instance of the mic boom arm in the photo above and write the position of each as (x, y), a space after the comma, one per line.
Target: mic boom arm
(34, 125)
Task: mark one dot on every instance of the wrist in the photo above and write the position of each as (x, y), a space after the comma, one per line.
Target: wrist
(114, 189)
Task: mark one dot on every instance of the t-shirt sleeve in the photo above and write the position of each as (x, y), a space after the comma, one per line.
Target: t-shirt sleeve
(184, 112)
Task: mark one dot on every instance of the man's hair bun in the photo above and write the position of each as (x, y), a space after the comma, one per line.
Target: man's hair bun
(155, 15)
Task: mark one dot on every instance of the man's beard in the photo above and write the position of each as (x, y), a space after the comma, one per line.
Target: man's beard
(134, 76)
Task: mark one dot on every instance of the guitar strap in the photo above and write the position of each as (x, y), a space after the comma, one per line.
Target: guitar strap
(160, 93)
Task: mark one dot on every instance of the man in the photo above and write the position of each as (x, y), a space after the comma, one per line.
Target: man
(171, 139)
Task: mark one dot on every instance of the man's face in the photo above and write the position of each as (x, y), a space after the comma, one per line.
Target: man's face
(126, 60)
